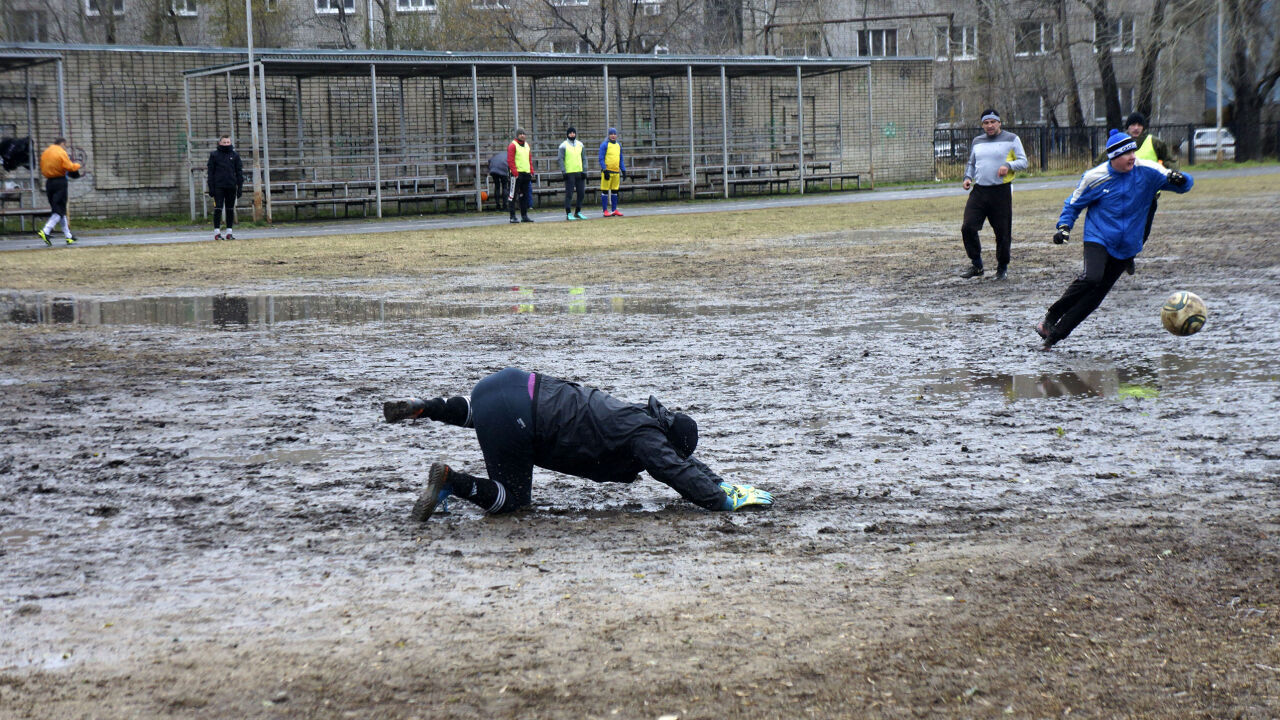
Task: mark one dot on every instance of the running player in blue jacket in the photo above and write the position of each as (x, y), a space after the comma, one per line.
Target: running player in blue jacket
(1117, 195)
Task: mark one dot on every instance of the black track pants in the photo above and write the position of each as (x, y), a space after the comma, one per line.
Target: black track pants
(993, 204)
(1086, 292)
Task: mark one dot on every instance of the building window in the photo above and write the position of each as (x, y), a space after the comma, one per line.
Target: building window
(1100, 102)
(570, 3)
(1122, 28)
(950, 111)
(333, 7)
(93, 8)
(415, 5)
(877, 43)
(1030, 108)
(963, 45)
(30, 26)
(271, 5)
(185, 8)
(570, 46)
(491, 4)
(801, 43)
(1034, 38)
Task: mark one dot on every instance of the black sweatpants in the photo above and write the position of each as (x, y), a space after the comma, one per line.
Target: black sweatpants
(224, 198)
(1086, 292)
(993, 204)
(56, 190)
(502, 413)
(574, 182)
(501, 186)
(520, 198)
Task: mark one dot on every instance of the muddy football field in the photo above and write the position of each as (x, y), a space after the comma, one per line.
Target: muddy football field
(203, 515)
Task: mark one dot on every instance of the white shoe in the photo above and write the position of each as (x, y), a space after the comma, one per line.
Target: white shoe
(230, 235)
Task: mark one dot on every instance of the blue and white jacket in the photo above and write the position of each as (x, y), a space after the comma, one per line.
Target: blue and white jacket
(1118, 204)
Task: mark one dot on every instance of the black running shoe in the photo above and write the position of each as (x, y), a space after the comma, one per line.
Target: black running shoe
(973, 272)
(435, 493)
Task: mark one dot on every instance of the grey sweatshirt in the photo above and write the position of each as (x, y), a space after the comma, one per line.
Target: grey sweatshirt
(987, 154)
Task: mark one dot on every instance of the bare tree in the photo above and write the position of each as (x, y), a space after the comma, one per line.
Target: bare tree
(1106, 39)
(1252, 43)
(1071, 85)
(272, 28)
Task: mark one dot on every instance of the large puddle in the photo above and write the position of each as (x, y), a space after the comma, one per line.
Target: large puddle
(257, 310)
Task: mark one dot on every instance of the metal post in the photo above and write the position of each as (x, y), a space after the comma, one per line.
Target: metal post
(533, 111)
(253, 117)
(62, 102)
(800, 123)
(724, 128)
(404, 139)
(231, 110)
(475, 120)
(377, 151)
(266, 143)
(840, 120)
(606, 96)
(186, 160)
(33, 149)
(871, 133)
(1191, 139)
(653, 120)
(301, 139)
(693, 150)
(515, 101)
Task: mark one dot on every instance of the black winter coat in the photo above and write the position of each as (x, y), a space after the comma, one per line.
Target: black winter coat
(225, 170)
(586, 432)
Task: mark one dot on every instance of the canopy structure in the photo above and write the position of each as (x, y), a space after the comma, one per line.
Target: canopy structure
(778, 121)
(26, 60)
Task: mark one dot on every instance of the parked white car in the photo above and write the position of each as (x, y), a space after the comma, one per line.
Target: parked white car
(1206, 142)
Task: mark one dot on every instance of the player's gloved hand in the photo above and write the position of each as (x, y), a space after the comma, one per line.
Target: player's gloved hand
(1176, 179)
(1063, 234)
(606, 174)
(625, 174)
(740, 496)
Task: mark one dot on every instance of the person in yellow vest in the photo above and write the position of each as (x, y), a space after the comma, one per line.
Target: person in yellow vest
(612, 167)
(1150, 148)
(56, 166)
(575, 179)
(520, 162)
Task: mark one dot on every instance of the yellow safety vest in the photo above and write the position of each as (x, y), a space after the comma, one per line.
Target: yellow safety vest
(1147, 151)
(612, 154)
(522, 158)
(572, 156)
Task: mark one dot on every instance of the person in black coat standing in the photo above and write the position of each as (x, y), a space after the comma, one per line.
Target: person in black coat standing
(524, 419)
(226, 180)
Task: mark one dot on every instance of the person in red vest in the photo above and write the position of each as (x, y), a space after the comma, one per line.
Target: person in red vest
(520, 163)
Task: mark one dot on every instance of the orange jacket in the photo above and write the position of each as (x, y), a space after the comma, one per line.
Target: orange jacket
(54, 162)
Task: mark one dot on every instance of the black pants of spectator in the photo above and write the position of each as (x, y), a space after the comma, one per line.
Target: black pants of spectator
(224, 199)
(520, 196)
(56, 190)
(501, 186)
(1086, 292)
(574, 183)
(993, 204)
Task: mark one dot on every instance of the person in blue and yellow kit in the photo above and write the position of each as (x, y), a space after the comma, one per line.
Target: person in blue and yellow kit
(612, 168)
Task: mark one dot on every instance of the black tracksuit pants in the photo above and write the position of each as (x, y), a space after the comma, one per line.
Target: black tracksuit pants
(224, 199)
(993, 204)
(501, 186)
(502, 413)
(56, 190)
(574, 183)
(1086, 292)
(521, 196)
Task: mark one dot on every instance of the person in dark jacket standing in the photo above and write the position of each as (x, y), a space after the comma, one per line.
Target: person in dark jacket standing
(994, 157)
(1117, 194)
(226, 180)
(524, 419)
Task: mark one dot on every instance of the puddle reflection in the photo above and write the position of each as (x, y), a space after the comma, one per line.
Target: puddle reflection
(254, 310)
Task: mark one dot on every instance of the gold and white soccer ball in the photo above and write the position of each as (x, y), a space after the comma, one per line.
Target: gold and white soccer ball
(1183, 313)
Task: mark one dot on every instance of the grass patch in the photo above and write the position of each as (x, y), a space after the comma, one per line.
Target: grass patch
(429, 253)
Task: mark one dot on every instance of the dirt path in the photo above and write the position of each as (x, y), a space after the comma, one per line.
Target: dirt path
(209, 519)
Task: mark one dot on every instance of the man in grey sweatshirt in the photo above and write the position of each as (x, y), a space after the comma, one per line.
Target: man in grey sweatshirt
(993, 159)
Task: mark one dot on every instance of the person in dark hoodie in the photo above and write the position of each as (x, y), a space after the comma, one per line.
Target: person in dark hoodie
(226, 180)
(524, 419)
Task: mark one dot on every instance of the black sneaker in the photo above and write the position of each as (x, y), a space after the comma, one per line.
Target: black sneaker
(435, 493)
(513, 219)
(403, 409)
(525, 218)
(1002, 274)
(973, 272)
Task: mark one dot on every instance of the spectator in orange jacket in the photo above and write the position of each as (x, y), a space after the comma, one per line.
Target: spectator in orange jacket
(56, 166)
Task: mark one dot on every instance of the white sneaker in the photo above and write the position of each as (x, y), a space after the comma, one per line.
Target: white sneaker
(230, 235)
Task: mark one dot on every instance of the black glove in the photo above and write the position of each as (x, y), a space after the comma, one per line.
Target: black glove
(625, 175)
(1063, 235)
(73, 174)
(606, 174)
(1176, 179)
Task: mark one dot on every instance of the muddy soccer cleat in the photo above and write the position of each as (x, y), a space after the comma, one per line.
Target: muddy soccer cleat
(973, 272)
(403, 409)
(738, 497)
(44, 236)
(436, 493)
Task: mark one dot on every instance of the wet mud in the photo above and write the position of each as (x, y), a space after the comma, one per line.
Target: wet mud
(202, 513)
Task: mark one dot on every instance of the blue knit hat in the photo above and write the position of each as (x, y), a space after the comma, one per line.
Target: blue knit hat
(1119, 143)
(612, 131)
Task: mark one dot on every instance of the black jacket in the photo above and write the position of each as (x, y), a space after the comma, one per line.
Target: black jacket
(586, 432)
(225, 170)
